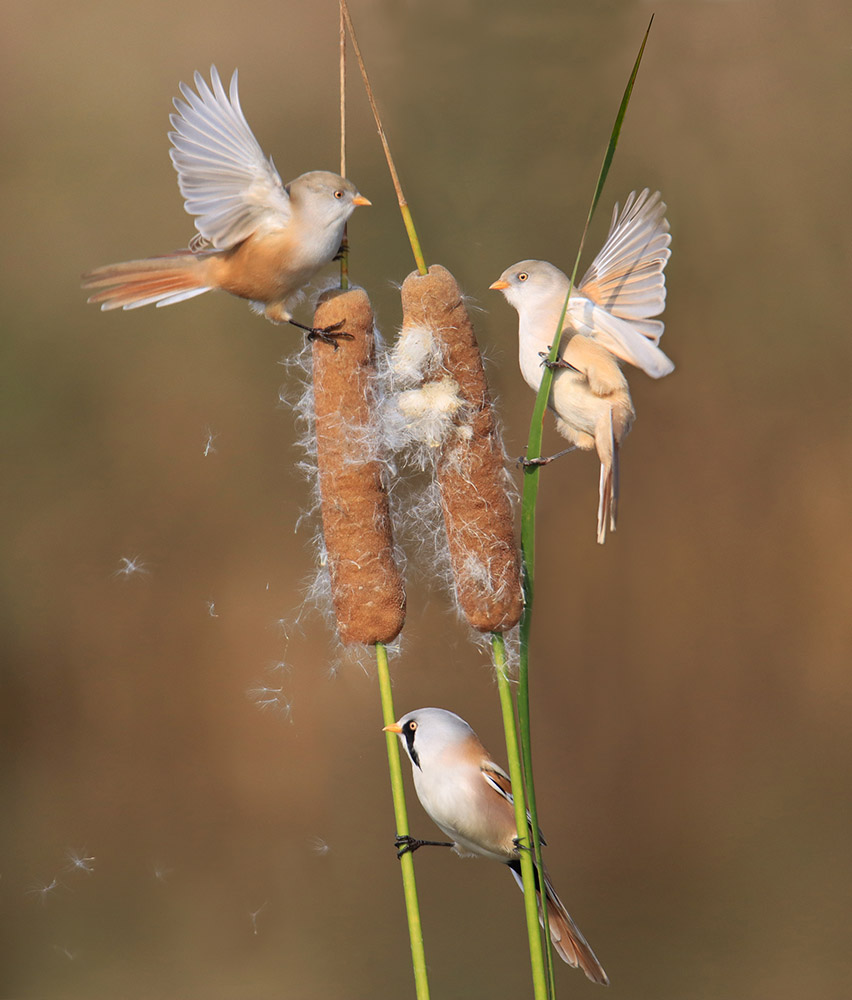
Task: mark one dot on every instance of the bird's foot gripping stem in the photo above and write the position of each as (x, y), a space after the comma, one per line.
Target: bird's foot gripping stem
(408, 845)
(557, 365)
(532, 463)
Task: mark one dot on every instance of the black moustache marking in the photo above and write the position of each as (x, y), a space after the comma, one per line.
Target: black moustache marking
(409, 746)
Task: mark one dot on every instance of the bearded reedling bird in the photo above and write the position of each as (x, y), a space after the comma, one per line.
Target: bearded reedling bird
(257, 238)
(470, 798)
(609, 317)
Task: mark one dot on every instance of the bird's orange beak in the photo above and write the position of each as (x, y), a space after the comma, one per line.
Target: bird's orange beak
(395, 728)
(359, 199)
(499, 285)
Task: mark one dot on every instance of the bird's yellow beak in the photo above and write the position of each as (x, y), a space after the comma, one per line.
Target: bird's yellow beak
(499, 285)
(395, 728)
(359, 199)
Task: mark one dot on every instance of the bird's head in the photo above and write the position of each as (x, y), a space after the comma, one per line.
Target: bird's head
(531, 283)
(426, 733)
(328, 198)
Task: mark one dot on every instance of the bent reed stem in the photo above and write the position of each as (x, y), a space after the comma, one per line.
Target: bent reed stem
(406, 862)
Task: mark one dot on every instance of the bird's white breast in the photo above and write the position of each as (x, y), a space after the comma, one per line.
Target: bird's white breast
(536, 329)
(460, 801)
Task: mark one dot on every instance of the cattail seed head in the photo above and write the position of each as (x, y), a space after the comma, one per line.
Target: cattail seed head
(470, 469)
(366, 584)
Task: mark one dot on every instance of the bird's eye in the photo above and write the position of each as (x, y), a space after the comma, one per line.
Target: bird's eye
(338, 195)
(411, 726)
(523, 276)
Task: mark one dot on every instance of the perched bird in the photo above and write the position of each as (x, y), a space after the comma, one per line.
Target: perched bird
(470, 798)
(609, 317)
(257, 237)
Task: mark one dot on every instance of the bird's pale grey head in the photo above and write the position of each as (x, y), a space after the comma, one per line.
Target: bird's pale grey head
(530, 282)
(326, 196)
(426, 732)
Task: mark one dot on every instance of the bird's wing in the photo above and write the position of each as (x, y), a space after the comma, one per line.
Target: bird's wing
(223, 175)
(626, 277)
(589, 357)
(625, 285)
(498, 779)
(502, 784)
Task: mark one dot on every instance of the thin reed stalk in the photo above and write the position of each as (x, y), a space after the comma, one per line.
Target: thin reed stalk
(531, 485)
(344, 246)
(407, 219)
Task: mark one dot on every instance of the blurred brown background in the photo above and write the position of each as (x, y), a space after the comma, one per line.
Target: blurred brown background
(691, 688)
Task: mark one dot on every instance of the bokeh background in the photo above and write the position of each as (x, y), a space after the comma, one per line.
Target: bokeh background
(691, 689)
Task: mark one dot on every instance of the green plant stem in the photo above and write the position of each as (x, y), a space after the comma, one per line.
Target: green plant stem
(529, 786)
(536, 425)
(531, 485)
(406, 862)
(413, 239)
(539, 977)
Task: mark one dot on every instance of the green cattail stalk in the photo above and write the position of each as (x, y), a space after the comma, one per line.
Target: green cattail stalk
(412, 908)
(541, 975)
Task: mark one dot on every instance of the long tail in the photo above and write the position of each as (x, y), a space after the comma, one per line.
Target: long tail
(569, 943)
(608, 488)
(160, 280)
(608, 497)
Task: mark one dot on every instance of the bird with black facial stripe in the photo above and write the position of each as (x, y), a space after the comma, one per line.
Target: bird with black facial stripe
(470, 798)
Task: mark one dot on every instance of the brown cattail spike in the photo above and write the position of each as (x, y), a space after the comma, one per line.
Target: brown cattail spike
(470, 470)
(366, 584)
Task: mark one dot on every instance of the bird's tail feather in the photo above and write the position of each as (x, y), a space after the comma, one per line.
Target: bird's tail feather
(569, 943)
(566, 937)
(608, 488)
(160, 280)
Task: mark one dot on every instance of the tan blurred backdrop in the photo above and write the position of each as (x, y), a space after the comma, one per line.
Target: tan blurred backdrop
(691, 685)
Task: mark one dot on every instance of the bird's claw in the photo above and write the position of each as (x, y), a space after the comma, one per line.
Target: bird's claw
(406, 845)
(532, 463)
(329, 334)
(559, 363)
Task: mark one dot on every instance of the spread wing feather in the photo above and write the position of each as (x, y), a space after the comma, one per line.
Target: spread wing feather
(226, 180)
(625, 286)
